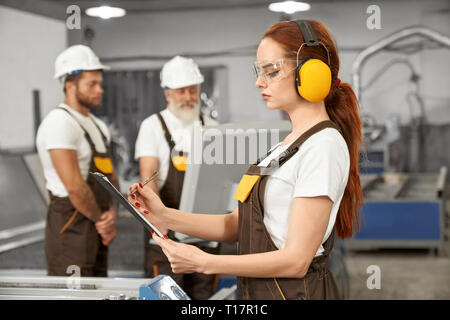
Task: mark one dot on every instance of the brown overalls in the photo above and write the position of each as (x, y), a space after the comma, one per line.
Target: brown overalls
(198, 286)
(254, 238)
(70, 237)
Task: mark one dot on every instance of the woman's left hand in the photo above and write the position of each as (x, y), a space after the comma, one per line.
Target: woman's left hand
(183, 258)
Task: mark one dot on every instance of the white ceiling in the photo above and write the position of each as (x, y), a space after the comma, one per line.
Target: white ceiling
(169, 5)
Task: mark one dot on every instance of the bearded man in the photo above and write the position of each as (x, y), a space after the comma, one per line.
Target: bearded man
(71, 141)
(162, 145)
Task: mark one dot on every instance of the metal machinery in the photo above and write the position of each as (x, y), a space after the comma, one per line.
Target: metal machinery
(363, 56)
(402, 211)
(404, 207)
(388, 146)
(68, 288)
(21, 225)
(161, 287)
(22, 174)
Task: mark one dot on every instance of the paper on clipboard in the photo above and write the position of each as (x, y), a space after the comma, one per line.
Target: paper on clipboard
(104, 181)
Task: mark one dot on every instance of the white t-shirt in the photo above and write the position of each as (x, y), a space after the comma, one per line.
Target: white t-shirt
(59, 130)
(152, 142)
(319, 168)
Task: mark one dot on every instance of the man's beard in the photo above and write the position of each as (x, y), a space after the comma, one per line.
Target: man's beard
(183, 114)
(86, 102)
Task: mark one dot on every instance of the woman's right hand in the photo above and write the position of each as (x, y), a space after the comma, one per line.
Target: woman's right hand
(147, 202)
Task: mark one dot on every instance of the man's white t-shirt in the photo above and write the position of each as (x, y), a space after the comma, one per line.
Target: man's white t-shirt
(319, 168)
(151, 141)
(59, 130)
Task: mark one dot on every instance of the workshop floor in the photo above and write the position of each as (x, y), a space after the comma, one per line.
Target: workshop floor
(405, 274)
(412, 274)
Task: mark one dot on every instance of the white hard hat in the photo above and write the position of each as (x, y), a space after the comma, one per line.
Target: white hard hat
(180, 72)
(78, 57)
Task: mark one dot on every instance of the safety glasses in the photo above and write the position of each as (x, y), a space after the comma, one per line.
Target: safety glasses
(273, 71)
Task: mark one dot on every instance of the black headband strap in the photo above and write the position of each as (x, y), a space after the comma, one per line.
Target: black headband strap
(309, 37)
(308, 33)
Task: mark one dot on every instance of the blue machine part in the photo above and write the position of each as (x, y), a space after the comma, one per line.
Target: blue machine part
(162, 287)
(400, 220)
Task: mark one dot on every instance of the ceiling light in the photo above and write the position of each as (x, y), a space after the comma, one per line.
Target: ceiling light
(289, 7)
(105, 12)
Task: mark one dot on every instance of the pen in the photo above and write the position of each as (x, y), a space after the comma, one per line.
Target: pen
(153, 176)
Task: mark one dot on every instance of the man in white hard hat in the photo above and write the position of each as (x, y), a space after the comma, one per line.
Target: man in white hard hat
(162, 145)
(71, 141)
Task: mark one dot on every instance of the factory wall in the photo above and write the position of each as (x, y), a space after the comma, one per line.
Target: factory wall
(29, 44)
(211, 31)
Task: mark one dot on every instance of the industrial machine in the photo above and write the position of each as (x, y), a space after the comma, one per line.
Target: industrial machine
(68, 288)
(370, 51)
(390, 146)
(402, 211)
(21, 172)
(404, 168)
(161, 287)
(24, 224)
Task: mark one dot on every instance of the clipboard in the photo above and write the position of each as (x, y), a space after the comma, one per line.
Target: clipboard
(105, 183)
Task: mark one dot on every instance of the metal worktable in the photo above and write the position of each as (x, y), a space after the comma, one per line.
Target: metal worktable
(68, 288)
(402, 211)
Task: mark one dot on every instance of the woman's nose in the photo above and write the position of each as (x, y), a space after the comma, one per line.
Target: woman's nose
(260, 83)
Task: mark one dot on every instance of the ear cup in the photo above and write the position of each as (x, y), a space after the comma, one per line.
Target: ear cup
(313, 80)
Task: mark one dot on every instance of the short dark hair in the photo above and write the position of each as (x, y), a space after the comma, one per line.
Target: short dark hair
(71, 78)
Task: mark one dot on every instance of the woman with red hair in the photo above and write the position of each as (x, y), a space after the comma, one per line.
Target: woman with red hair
(295, 199)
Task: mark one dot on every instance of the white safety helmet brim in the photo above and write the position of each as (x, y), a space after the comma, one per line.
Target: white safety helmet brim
(83, 68)
(185, 84)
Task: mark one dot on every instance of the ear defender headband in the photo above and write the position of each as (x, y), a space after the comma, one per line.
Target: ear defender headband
(312, 76)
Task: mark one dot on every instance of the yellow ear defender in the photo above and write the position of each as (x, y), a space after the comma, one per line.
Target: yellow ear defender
(312, 76)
